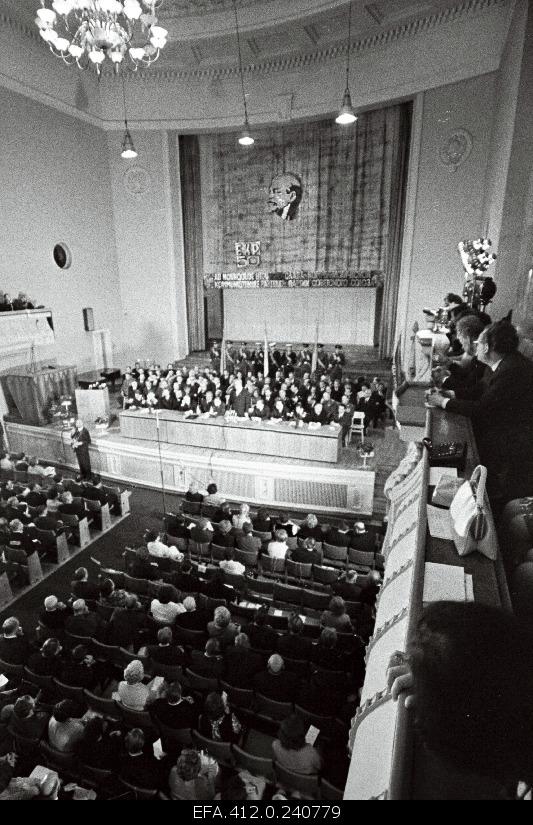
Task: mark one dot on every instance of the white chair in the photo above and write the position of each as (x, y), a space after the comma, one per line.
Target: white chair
(358, 425)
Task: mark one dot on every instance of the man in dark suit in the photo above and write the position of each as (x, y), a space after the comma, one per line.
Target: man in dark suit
(71, 506)
(192, 619)
(80, 444)
(247, 542)
(164, 652)
(339, 536)
(35, 497)
(501, 413)
(139, 766)
(82, 623)
(175, 710)
(293, 644)
(362, 539)
(82, 588)
(262, 636)
(241, 663)
(275, 682)
(14, 647)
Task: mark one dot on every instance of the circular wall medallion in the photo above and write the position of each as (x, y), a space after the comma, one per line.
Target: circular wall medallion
(137, 181)
(456, 149)
(62, 255)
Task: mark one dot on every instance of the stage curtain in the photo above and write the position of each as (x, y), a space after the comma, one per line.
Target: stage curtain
(343, 220)
(399, 166)
(191, 199)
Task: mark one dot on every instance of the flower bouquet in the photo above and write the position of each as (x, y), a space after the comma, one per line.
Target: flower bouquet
(366, 451)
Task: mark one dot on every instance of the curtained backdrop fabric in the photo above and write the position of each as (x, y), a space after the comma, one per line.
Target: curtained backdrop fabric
(191, 200)
(350, 219)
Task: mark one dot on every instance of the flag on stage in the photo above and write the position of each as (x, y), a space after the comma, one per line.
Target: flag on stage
(265, 356)
(314, 359)
(223, 354)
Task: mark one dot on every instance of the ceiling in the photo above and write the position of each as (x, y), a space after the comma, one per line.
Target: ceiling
(202, 32)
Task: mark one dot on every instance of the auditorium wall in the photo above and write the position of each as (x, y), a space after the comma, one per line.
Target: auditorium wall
(448, 201)
(148, 230)
(55, 187)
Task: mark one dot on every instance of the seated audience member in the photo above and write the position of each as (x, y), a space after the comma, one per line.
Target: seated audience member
(174, 709)
(81, 669)
(21, 538)
(165, 652)
(213, 497)
(307, 553)
(54, 615)
(284, 523)
(139, 766)
(247, 542)
(14, 647)
(325, 653)
(262, 636)
(71, 507)
(278, 547)
(262, 522)
(193, 493)
(336, 616)
(193, 776)
(339, 536)
(35, 495)
(469, 666)
(110, 596)
(176, 527)
(131, 691)
(142, 566)
(82, 588)
(158, 549)
(311, 529)
(223, 535)
(27, 719)
(291, 750)
(65, 729)
(52, 500)
(6, 464)
(163, 609)
(215, 587)
(222, 628)
(242, 517)
(294, 644)
(370, 588)
(224, 512)
(243, 786)
(17, 511)
(47, 661)
(217, 720)
(501, 415)
(193, 618)
(229, 565)
(346, 586)
(127, 622)
(208, 663)
(240, 663)
(260, 411)
(276, 682)
(362, 539)
(99, 747)
(318, 416)
(82, 622)
(202, 533)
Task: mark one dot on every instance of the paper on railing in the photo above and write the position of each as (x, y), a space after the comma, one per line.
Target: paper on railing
(436, 473)
(439, 523)
(311, 735)
(444, 582)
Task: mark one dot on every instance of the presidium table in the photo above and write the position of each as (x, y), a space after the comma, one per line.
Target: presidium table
(234, 435)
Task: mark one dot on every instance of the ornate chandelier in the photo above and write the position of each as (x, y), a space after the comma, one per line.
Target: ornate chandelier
(88, 31)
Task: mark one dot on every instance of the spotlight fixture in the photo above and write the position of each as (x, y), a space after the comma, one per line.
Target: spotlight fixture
(347, 115)
(128, 148)
(246, 138)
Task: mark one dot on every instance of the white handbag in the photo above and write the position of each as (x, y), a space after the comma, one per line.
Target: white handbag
(472, 529)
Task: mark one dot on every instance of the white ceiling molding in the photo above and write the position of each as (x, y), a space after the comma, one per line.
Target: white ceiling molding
(454, 43)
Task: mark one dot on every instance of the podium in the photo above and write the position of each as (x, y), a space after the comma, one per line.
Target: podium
(32, 393)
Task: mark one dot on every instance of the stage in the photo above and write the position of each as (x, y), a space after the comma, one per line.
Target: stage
(300, 485)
